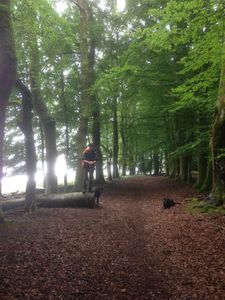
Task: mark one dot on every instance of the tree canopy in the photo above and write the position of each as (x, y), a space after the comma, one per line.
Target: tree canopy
(145, 84)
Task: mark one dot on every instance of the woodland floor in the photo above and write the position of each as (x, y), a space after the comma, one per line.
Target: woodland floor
(131, 248)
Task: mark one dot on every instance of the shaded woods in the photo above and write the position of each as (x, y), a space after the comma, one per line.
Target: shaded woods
(146, 86)
(150, 99)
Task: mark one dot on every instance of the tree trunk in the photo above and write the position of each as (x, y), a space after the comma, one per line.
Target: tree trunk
(96, 126)
(85, 87)
(66, 123)
(185, 173)
(124, 143)
(115, 140)
(156, 163)
(96, 140)
(109, 154)
(46, 119)
(207, 184)
(25, 125)
(218, 144)
(7, 73)
(202, 169)
(42, 141)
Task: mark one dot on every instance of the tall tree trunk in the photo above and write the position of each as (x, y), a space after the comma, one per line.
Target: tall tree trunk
(25, 125)
(108, 154)
(42, 141)
(96, 125)
(218, 143)
(156, 163)
(123, 134)
(7, 73)
(85, 87)
(202, 162)
(46, 119)
(97, 139)
(184, 173)
(115, 140)
(66, 123)
(124, 148)
(207, 184)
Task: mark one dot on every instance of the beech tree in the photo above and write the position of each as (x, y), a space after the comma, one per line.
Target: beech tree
(26, 126)
(7, 71)
(218, 142)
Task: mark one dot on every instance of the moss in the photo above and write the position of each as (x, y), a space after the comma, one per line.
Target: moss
(200, 206)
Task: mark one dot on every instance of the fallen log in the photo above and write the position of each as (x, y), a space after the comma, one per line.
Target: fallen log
(12, 204)
(54, 200)
(66, 200)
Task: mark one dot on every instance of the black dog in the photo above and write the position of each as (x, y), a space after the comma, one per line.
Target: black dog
(97, 193)
(167, 203)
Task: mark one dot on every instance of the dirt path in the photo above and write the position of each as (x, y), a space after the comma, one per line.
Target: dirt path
(130, 249)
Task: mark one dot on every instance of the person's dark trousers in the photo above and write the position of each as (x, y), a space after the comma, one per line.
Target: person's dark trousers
(88, 176)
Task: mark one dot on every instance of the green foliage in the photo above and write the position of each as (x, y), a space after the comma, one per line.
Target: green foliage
(159, 61)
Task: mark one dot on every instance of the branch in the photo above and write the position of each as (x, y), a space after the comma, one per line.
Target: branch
(22, 88)
(75, 2)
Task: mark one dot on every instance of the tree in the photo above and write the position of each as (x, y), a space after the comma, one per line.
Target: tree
(46, 118)
(218, 142)
(25, 124)
(7, 71)
(84, 111)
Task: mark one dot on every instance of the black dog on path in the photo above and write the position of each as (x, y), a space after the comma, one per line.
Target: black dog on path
(167, 203)
(97, 193)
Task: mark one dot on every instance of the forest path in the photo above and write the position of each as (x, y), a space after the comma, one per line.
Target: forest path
(131, 248)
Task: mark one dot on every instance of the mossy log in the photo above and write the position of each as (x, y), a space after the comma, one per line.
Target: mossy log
(54, 200)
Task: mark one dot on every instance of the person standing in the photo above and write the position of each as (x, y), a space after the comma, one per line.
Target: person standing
(88, 164)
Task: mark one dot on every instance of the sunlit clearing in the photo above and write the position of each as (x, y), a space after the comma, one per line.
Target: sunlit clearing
(15, 183)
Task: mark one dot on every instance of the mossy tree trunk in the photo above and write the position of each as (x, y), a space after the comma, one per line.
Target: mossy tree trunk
(7, 72)
(25, 125)
(218, 144)
(202, 162)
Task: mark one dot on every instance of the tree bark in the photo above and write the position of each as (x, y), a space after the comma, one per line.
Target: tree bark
(97, 139)
(123, 135)
(156, 163)
(96, 125)
(85, 87)
(218, 144)
(7, 72)
(26, 126)
(115, 140)
(66, 123)
(46, 119)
